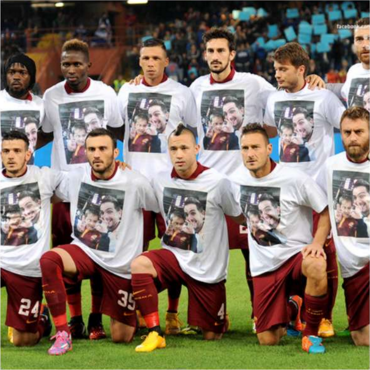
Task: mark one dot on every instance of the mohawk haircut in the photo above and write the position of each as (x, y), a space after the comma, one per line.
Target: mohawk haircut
(178, 131)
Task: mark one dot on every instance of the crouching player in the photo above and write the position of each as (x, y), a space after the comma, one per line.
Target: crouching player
(120, 196)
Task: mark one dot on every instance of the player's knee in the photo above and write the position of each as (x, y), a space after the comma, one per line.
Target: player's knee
(315, 268)
(141, 265)
(122, 337)
(50, 261)
(209, 335)
(360, 338)
(268, 338)
(22, 340)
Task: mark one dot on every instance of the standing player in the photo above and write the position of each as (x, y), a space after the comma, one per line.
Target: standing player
(166, 102)
(65, 103)
(17, 103)
(204, 196)
(357, 83)
(124, 195)
(296, 263)
(347, 175)
(313, 114)
(20, 268)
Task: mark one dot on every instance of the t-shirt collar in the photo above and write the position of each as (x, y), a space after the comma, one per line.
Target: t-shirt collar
(164, 79)
(94, 178)
(350, 160)
(227, 79)
(70, 91)
(200, 169)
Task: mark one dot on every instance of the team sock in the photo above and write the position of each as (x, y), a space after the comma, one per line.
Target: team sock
(96, 295)
(53, 286)
(315, 311)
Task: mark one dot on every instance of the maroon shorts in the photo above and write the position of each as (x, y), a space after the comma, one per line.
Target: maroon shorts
(271, 292)
(24, 301)
(117, 300)
(207, 302)
(150, 219)
(356, 290)
(238, 235)
(61, 227)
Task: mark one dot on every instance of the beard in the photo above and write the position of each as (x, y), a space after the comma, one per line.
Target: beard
(357, 152)
(17, 93)
(218, 71)
(103, 170)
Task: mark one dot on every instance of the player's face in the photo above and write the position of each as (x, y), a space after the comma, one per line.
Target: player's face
(14, 220)
(302, 126)
(75, 69)
(30, 209)
(218, 55)
(110, 216)
(217, 123)
(194, 217)
(367, 101)
(346, 207)
(91, 221)
(355, 137)
(233, 115)
(361, 199)
(153, 61)
(92, 122)
(79, 136)
(269, 213)
(287, 76)
(15, 155)
(18, 80)
(101, 154)
(286, 136)
(362, 44)
(158, 118)
(177, 223)
(31, 132)
(183, 152)
(141, 125)
(255, 152)
(254, 221)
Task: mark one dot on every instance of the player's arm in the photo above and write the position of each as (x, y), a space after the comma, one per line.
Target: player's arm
(118, 132)
(241, 220)
(316, 248)
(43, 138)
(271, 131)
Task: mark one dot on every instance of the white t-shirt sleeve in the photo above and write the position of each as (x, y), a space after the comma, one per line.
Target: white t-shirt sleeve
(333, 109)
(148, 200)
(269, 118)
(62, 191)
(190, 110)
(228, 198)
(321, 178)
(265, 89)
(122, 102)
(311, 194)
(46, 124)
(114, 118)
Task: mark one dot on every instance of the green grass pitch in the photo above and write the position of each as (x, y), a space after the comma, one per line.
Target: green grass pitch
(237, 350)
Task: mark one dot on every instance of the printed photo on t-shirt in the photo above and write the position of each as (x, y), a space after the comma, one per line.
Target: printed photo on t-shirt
(359, 93)
(78, 119)
(222, 114)
(26, 121)
(148, 115)
(351, 202)
(98, 217)
(185, 216)
(261, 206)
(21, 215)
(295, 123)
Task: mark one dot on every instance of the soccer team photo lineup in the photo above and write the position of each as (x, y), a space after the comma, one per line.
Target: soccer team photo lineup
(139, 148)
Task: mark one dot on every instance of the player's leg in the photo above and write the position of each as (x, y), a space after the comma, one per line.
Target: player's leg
(23, 309)
(95, 324)
(315, 301)
(361, 336)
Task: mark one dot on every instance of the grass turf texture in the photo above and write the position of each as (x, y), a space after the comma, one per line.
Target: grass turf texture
(238, 349)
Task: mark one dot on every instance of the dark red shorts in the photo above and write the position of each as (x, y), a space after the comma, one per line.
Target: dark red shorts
(271, 292)
(24, 301)
(207, 302)
(356, 289)
(238, 235)
(118, 301)
(150, 219)
(61, 227)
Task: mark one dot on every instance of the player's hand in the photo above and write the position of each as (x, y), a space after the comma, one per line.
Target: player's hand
(315, 81)
(210, 131)
(81, 225)
(122, 165)
(228, 127)
(297, 140)
(356, 213)
(151, 130)
(101, 227)
(137, 80)
(314, 250)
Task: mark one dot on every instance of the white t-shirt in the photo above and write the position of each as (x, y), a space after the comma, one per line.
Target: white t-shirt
(241, 101)
(356, 89)
(107, 216)
(25, 224)
(147, 152)
(308, 118)
(22, 115)
(67, 115)
(279, 214)
(350, 225)
(196, 232)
